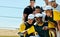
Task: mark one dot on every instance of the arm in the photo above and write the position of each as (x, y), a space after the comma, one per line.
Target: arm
(25, 13)
(24, 16)
(22, 28)
(31, 30)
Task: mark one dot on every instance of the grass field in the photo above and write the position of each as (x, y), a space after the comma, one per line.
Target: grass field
(8, 36)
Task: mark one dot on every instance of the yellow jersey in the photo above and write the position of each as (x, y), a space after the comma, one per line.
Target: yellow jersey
(56, 15)
(29, 30)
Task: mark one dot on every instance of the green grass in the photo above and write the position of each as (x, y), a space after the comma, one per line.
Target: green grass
(8, 36)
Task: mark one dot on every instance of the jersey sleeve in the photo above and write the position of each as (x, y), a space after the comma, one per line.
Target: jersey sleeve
(25, 11)
(31, 30)
(22, 27)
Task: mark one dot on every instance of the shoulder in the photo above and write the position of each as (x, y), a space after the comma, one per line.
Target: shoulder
(22, 24)
(27, 7)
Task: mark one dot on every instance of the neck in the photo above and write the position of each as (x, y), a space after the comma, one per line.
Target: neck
(40, 22)
(29, 22)
(32, 7)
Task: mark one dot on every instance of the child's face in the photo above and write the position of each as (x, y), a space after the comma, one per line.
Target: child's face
(48, 12)
(37, 10)
(30, 21)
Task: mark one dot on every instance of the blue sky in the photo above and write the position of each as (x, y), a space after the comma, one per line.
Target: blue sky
(11, 11)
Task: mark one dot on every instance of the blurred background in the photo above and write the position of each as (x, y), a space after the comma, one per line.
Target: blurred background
(11, 12)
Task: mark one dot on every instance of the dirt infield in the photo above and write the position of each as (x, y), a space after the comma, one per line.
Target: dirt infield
(5, 32)
(9, 36)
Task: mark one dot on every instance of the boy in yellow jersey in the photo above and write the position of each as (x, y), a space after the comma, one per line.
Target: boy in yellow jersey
(49, 19)
(27, 28)
(56, 11)
(41, 27)
(49, 14)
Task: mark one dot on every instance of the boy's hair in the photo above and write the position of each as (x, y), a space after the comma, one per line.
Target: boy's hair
(53, 1)
(37, 7)
(32, 0)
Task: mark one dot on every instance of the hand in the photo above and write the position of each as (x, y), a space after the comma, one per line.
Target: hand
(24, 32)
(45, 28)
(18, 32)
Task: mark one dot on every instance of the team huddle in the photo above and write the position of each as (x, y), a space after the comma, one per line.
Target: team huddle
(40, 21)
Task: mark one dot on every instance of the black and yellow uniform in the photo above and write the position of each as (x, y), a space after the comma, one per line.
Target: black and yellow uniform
(28, 10)
(40, 31)
(56, 15)
(52, 30)
(26, 26)
(52, 19)
(52, 25)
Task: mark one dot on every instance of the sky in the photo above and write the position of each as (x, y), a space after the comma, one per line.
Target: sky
(11, 12)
